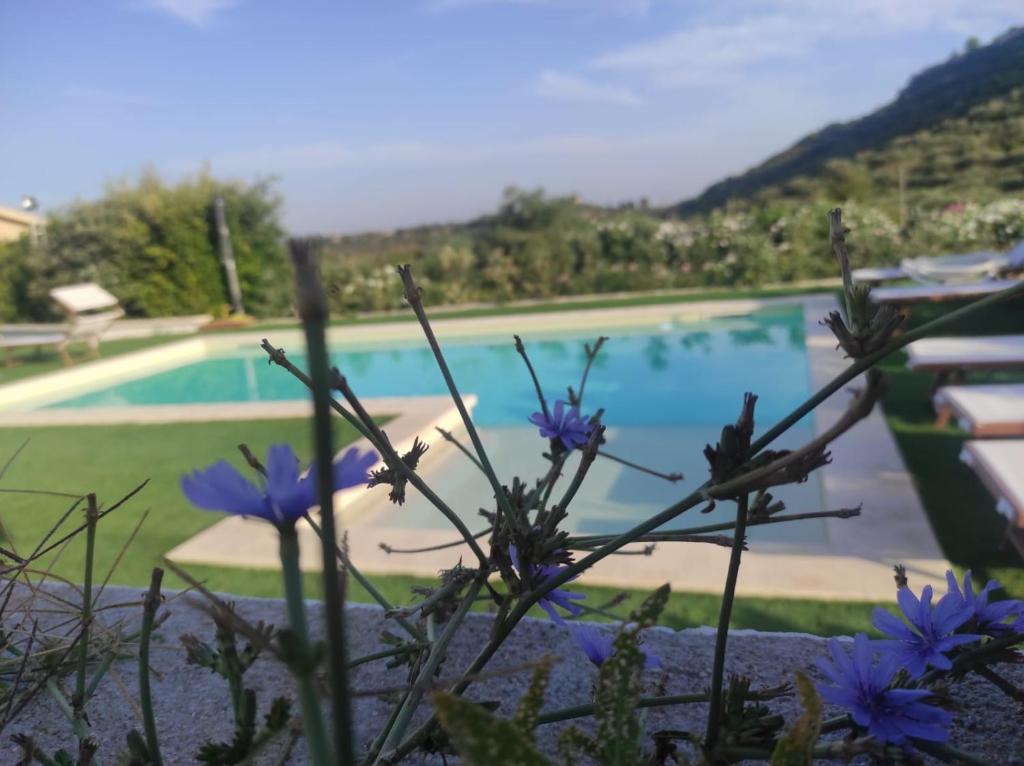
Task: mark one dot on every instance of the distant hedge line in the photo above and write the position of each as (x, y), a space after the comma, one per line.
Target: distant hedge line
(539, 248)
(154, 246)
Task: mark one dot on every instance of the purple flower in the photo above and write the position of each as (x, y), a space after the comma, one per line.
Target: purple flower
(930, 633)
(284, 498)
(989, 619)
(570, 427)
(862, 687)
(599, 644)
(538, 576)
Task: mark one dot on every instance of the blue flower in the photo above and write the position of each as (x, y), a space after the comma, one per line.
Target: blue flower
(570, 427)
(989, 619)
(930, 634)
(284, 498)
(599, 644)
(538, 576)
(862, 687)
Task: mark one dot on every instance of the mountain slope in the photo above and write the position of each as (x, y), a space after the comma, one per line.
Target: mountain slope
(947, 91)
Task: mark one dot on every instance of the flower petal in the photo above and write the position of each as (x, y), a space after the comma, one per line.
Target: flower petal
(220, 487)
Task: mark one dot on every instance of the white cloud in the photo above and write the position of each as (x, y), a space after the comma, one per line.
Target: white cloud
(739, 35)
(711, 53)
(198, 13)
(567, 87)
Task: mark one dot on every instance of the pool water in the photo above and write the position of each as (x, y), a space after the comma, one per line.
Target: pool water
(666, 391)
(673, 374)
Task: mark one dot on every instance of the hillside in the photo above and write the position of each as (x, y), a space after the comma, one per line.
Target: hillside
(939, 96)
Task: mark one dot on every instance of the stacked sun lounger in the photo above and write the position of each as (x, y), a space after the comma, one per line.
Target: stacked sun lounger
(992, 414)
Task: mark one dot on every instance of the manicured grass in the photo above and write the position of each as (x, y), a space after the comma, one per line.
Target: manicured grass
(111, 461)
(961, 510)
(597, 302)
(684, 610)
(31, 361)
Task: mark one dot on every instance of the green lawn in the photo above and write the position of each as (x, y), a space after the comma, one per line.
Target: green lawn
(111, 461)
(29, 361)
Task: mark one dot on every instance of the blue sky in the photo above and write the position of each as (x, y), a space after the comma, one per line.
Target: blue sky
(381, 113)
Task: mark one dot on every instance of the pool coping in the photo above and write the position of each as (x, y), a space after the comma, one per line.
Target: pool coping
(855, 564)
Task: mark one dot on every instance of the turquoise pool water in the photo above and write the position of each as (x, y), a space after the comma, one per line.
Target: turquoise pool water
(676, 374)
(666, 390)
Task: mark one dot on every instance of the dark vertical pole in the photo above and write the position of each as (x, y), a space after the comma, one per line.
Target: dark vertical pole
(227, 256)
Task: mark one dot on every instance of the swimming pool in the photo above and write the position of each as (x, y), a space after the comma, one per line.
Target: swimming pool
(666, 389)
(676, 373)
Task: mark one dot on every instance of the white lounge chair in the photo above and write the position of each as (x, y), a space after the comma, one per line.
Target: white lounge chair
(992, 410)
(964, 268)
(90, 310)
(954, 357)
(903, 296)
(875, 275)
(998, 464)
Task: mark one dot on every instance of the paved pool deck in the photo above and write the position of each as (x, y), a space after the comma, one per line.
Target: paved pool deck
(854, 562)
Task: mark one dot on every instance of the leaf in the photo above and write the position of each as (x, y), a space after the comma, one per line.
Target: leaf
(646, 615)
(483, 739)
(619, 683)
(796, 746)
(526, 715)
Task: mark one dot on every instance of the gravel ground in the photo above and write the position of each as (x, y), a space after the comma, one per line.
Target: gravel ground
(192, 704)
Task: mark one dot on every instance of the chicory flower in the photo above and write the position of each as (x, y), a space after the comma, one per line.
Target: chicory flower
(930, 633)
(862, 687)
(599, 644)
(569, 427)
(989, 618)
(534, 576)
(283, 498)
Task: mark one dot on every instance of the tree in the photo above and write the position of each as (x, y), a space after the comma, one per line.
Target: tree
(154, 246)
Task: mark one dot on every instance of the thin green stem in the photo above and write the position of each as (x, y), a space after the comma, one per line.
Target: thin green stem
(722, 634)
(334, 607)
(367, 584)
(384, 654)
(412, 295)
(77, 722)
(448, 437)
(670, 477)
(312, 717)
(91, 518)
(669, 535)
(430, 666)
(581, 711)
(149, 608)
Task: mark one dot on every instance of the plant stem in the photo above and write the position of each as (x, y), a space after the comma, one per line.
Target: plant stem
(412, 295)
(149, 608)
(91, 517)
(374, 436)
(312, 306)
(312, 718)
(579, 711)
(722, 634)
(669, 535)
(431, 665)
(367, 584)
